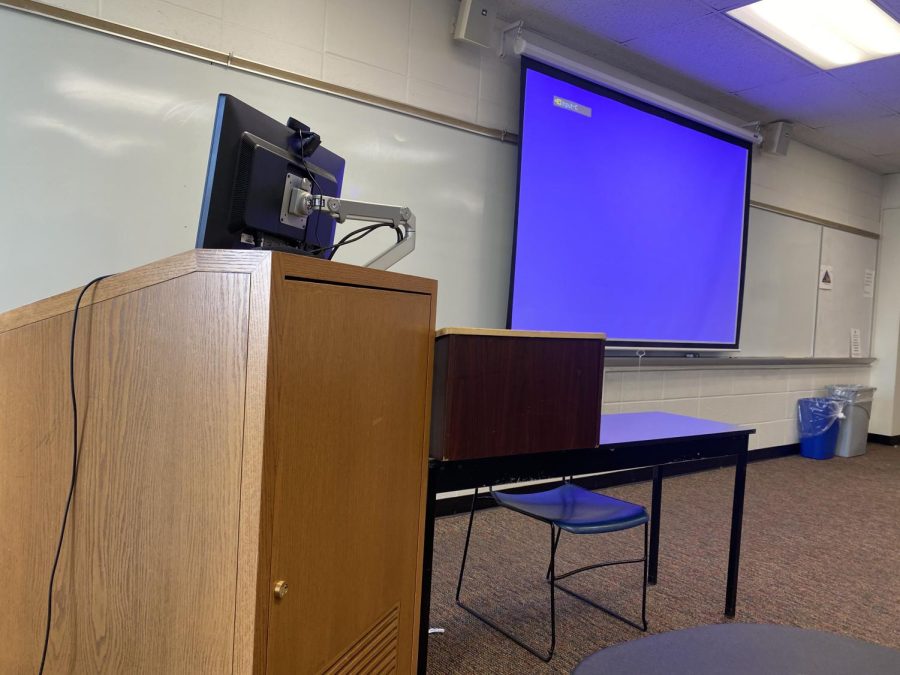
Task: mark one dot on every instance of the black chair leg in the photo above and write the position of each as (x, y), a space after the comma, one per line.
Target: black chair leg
(553, 550)
(553, 580)
(554, 540)
(554, 543)
(642, 626)
(644, 584)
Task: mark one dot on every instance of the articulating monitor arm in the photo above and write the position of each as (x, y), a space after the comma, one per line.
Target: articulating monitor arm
(302, 203)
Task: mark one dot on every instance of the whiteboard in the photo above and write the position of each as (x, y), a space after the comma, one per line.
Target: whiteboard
(780, 286)
(105, 145)
(846, 304)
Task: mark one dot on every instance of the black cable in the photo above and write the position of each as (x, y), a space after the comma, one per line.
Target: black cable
(62, 531)
(346, 239)
(365, 231)
(316, 188)
(349, 238)
(316, 251)
(311, 174)
(368, 229)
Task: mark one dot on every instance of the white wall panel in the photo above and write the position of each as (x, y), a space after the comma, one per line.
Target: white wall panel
(780, 286)
(845, 306)
(886, 337)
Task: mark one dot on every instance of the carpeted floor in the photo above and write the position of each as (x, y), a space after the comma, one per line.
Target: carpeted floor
(821, 549)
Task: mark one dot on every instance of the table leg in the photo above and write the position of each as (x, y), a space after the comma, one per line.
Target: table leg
(737, 517)
(655, 516)
(428, 555)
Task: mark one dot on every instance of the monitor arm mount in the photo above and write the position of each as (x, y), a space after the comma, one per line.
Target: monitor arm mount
(302, 203)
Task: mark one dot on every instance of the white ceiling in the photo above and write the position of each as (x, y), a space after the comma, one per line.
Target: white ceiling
(695, 48)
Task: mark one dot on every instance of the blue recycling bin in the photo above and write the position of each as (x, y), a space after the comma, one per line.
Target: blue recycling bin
(818, 420)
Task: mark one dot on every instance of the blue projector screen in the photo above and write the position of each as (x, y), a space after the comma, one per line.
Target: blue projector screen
(631, 220)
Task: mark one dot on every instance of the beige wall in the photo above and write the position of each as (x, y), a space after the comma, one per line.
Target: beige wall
(399, 49)
(762, 398)
(886, 334)
(818, 184)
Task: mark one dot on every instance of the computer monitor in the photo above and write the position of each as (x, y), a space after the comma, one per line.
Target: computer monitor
(253, 162)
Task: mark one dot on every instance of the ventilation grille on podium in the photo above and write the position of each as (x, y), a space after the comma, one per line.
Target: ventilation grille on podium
(374, 653)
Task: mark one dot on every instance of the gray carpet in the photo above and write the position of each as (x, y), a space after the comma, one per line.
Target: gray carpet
(821, 550)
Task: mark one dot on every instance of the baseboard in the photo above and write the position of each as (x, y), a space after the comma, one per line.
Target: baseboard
(462, 504)
(884, 440)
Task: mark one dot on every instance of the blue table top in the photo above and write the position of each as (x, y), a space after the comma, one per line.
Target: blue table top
(638, 427)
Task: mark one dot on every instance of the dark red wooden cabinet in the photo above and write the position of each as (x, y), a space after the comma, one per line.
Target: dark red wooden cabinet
(506, 392)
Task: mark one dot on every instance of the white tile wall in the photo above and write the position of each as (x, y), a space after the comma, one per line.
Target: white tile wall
(89, 7)
(164, 18)
(401, 50)
(263, 47)
(813, 182)
(498, 115)
(427, 95)
(435, 57)
(612, 387)
(891, 192)
(642, 386)
(498, 94)
(211, 7)
(376, 33)
(364, 77)
(761, 398)
(681, 384)
(297, 22)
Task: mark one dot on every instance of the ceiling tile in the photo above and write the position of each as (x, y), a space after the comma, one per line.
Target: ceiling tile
(818, 100)
(892, 7)
(722, 53)
(879, 78)
(727, 4)
(706, 57)
(582, 41)
(734, 105)
(617, 20)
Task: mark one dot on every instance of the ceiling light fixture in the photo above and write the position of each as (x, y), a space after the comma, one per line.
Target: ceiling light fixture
(829, 33)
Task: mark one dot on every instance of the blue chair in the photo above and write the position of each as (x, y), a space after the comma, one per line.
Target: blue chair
(578, 511)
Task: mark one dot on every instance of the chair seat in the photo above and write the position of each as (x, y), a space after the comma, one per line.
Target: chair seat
(575, 509)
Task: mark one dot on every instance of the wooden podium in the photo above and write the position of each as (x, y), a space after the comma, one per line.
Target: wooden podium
(500, 393)
(246, 418)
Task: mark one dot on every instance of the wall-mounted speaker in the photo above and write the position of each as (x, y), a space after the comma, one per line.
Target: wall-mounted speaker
(475, 22)
(777, 137)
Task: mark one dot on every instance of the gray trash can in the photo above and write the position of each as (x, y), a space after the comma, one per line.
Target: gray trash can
(857, 399)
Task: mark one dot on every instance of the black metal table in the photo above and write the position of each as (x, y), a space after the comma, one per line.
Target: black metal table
(627, 441)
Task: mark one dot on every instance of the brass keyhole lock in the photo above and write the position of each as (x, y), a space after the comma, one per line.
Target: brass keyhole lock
(281, 589)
